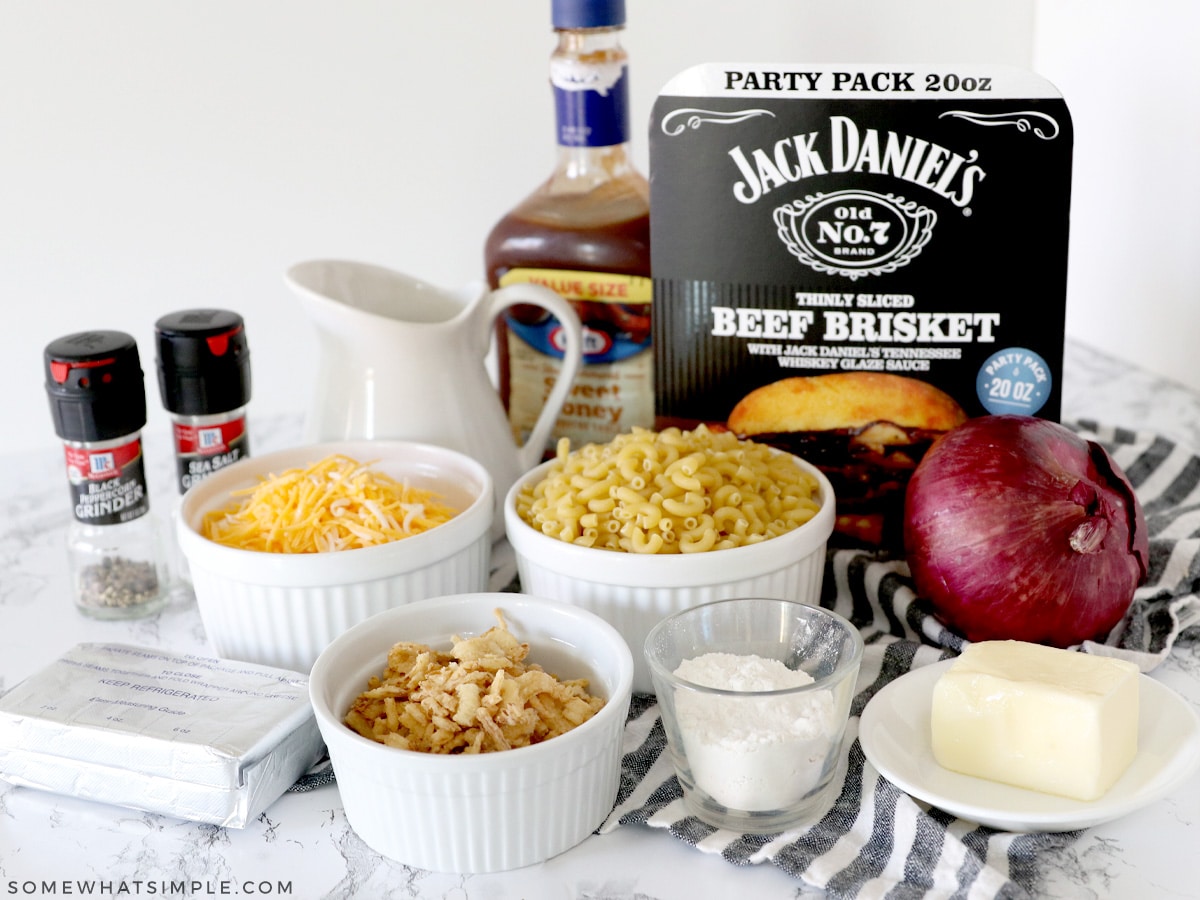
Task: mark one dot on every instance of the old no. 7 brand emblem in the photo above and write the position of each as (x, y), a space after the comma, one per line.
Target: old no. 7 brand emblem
(854, 233)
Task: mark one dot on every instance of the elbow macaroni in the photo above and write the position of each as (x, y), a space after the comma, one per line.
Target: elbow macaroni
(672, 491)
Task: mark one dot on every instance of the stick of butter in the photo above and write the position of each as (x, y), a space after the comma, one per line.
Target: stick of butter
(1037, 717)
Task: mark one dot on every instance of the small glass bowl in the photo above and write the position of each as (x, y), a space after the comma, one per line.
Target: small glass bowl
(751, 755)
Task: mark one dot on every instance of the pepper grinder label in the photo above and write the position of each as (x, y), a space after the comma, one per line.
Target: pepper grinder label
(108, 486)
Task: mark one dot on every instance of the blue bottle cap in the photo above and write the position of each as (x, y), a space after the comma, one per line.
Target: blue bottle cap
(587, 13)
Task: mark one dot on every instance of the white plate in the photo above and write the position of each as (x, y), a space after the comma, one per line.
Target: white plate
(894, 732)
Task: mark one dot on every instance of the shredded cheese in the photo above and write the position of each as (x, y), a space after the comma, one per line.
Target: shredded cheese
(335, 504)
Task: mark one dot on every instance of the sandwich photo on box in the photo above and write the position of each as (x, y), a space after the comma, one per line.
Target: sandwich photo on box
(865, 430)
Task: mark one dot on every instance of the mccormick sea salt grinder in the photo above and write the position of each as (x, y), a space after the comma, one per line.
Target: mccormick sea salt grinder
(98, 402)
(204, 379)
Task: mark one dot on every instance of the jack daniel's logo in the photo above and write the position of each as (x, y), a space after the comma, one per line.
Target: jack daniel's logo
(912, 159)
(855, 232)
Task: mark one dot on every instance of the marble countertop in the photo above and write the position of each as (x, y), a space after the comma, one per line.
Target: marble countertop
(302, 845)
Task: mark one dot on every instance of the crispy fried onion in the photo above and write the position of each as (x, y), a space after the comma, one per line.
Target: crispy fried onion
(479, 697)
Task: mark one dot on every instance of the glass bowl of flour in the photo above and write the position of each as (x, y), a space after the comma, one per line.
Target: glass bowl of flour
(754, 695)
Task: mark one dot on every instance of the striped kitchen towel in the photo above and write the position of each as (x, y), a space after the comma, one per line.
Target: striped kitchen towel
(875, 839)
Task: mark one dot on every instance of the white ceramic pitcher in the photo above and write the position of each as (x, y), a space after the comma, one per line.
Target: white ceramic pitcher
(403, 359)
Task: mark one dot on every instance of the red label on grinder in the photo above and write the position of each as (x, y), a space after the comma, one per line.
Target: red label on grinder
(201, 450)
(108, 486)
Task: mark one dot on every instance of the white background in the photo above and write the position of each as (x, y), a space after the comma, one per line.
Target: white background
(162, 154)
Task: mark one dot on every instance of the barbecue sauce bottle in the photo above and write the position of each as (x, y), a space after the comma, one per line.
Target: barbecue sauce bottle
(584, 233)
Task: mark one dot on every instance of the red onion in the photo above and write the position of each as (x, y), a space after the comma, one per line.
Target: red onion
(1018, 528)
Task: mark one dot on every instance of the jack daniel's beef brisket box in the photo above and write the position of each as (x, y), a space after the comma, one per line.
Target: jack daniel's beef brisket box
(850, 260)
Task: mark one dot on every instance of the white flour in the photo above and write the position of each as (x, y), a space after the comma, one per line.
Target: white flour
(753, 753)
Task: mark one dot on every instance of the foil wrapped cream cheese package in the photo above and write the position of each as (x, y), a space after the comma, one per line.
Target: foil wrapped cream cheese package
(208, 740)
(848, 260)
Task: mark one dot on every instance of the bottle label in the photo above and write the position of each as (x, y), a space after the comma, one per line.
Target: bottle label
(107, 486)
(615, 388)
(591, 103)
(201, 450)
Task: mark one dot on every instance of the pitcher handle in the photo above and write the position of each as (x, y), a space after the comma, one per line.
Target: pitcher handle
(530, 453)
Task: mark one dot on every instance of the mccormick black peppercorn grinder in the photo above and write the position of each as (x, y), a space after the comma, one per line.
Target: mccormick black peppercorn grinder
(98, 402)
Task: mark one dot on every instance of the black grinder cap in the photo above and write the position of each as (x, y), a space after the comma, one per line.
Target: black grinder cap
(95, 386)
(203, 362)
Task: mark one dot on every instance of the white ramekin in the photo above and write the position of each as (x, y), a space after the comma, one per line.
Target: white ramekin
(478, 812)
(635, 591)
(282, 609)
